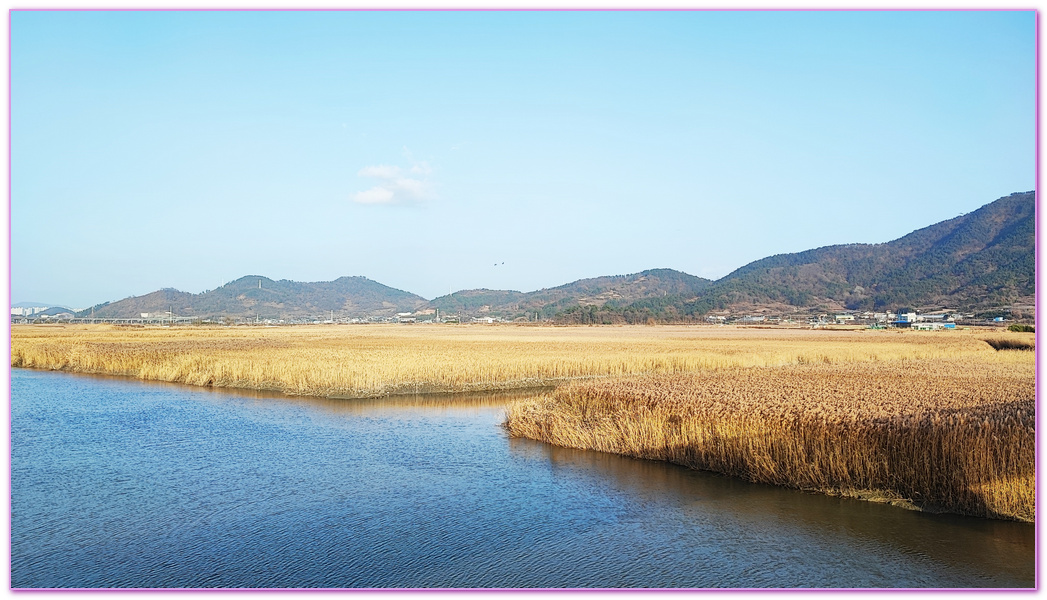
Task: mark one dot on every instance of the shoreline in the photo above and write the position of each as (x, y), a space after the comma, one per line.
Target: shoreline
(277, 393)
(877, 496)
(964, 445)
(734, 401)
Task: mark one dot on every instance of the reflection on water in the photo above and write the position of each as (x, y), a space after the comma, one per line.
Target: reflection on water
(392, 403)
(989, 550)
(119, 483)
(426, 402)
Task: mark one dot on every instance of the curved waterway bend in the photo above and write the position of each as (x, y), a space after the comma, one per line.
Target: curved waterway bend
(120, 483)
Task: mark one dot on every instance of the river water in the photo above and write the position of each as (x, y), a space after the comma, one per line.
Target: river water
(120, 483)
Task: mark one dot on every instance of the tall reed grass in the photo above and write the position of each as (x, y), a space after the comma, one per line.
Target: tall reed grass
(951, 434)
(369, 361)
(1010, 344)
(938, 417)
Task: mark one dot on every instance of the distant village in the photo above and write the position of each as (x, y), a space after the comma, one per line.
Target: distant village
(872, 320)
(941, 319)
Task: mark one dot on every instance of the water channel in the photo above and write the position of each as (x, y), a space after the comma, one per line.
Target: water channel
(121, 483)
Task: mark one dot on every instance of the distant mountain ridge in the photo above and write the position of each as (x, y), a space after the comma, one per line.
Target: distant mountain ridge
(982, 259)
(264, 298)
(614, 290)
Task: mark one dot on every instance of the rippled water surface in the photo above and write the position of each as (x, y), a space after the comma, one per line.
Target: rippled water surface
(119, 483)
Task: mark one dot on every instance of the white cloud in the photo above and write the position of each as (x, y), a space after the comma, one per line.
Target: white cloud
(412, 187)
(421, 168)
(380, 171)
(375, 195)
(394, 187)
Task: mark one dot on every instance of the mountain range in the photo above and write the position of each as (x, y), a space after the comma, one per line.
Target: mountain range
(261, 297)
(983, 258)
(980, 260)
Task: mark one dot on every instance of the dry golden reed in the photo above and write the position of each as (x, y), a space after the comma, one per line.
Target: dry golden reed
(378, 360)
(952, 434)
(939, 417)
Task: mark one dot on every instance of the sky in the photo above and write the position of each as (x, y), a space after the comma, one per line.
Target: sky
(434, 151)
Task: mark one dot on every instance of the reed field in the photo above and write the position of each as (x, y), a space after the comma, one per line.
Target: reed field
(379, 360)
(942, 419)
(952, 434)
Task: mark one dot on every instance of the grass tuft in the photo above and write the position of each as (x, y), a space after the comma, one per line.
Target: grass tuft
(1010, 344)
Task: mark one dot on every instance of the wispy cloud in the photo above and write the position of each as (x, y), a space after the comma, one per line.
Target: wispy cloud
(380, 171)
(375, 195)
(397, 185)
(421, 168)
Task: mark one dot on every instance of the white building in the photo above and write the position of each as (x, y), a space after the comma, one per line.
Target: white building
(25, 311)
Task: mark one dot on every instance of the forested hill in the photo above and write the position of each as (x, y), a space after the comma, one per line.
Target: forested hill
(261, 297)
(981, 259)
(614, 291)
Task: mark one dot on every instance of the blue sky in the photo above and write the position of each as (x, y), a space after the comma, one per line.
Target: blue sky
(186, 149)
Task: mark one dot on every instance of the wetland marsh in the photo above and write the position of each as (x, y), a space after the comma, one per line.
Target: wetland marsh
(233, 441)
(122, 483)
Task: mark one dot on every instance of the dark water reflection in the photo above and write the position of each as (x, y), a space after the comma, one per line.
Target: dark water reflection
(119, 483)
(796, 535)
